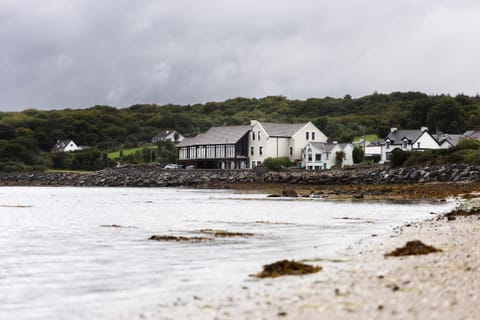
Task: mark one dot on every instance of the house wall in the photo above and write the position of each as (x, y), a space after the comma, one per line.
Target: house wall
(328, 159)
(426, 142)
(71, 146)
(299, 140)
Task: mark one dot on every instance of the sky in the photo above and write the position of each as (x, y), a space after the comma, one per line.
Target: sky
(57, 54)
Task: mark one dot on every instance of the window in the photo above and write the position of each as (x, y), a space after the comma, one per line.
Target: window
(388, 145)
(318, 157)
(252, 151)
(291, 151)
(418, 145)
(253, 135)
(313, 135)
(404, 145)
(309, 157)
(259, 136)
(259, 163)
(327, 155)
(260, 150)
(307, 135)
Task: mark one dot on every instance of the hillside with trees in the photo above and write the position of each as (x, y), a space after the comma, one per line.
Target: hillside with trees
(26, 137)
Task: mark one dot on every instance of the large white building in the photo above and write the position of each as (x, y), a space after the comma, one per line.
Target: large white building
(238, 147)
(273, 140)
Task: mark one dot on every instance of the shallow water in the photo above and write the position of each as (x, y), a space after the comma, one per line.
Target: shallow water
(58, 262)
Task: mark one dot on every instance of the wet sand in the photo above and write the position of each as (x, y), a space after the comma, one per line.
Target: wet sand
(364, 284)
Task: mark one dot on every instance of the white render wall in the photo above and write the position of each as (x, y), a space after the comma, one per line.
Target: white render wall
(274, 147)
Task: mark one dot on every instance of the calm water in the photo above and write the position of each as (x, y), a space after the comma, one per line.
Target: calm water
(57, 262)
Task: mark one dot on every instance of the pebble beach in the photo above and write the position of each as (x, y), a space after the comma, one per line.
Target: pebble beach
(365, 284)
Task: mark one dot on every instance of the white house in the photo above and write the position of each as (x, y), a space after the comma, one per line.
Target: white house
(408, 140)
(168, 135)
(65, 146)
(323, 156)
(273, 140)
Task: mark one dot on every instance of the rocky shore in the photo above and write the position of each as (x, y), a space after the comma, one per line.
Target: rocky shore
(155, 176)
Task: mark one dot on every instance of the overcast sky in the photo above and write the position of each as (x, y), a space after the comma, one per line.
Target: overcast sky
(78, 53)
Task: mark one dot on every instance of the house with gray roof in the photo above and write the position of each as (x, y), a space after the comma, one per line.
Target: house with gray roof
(281, 140)
(65, 146)
(412, 140)
(168, 135)
(218, 148)
(323, 156)
(239, 147)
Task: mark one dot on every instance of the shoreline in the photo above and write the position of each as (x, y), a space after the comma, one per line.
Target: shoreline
(364, 284)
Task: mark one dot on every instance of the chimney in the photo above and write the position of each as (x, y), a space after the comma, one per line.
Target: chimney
(424, 129)
(392, 130)
(253, 122)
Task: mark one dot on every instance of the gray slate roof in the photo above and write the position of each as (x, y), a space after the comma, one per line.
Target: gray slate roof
(217, 135)
(281, 129)
(397, 136)
(453, 139)
(325, 147)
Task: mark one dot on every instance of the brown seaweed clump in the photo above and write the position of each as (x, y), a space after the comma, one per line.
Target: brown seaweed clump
(286, 267)
(462, 212)
(178, 239)
(224, 233)
(414, 247)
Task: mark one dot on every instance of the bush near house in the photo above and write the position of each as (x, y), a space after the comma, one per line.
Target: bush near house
(275, 164)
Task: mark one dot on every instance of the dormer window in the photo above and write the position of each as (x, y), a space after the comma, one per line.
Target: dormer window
(387, 145)
(404, 145)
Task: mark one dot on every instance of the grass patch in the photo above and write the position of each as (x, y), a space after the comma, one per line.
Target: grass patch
(126, 152)
(368, 138)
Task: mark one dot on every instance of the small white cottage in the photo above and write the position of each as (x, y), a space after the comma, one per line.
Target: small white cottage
(323, 156)
(65, 146)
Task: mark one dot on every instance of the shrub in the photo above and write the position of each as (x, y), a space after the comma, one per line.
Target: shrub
(357, 154)
(399, 157)
(276, 164)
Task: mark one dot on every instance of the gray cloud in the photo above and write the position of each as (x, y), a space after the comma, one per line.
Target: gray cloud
(79, 53)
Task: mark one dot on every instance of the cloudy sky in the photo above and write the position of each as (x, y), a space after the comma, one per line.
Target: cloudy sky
(78, 53)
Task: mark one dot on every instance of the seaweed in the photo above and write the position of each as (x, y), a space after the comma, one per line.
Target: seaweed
(225, 233)
(462, 213)
(286, 267)
(177, 239)
(414, 247)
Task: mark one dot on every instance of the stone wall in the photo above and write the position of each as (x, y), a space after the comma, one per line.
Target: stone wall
(154, 176)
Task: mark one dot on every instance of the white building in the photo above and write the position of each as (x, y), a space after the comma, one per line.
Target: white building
(323, 156)
(65, 146)
(273, 140)
(168, 135)
(411, 140)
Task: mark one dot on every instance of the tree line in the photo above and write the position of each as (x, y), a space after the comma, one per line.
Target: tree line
(26, 137)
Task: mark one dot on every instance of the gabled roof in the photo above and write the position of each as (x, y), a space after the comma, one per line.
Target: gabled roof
(61, 145)
(282, 129)
(324, 147)
(164, 133)
(453, 139)
(217, 135)
(398, 135)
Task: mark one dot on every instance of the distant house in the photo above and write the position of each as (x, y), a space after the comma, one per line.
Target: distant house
(415, 140)
(168, 135)
(218, 148)
(323, 156)
(472, 134)
(280, 140)
(65, 146)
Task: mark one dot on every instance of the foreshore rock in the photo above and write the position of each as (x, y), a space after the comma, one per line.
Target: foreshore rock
(155, 176)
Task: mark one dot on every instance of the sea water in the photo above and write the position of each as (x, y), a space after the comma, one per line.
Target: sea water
(62, 258)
